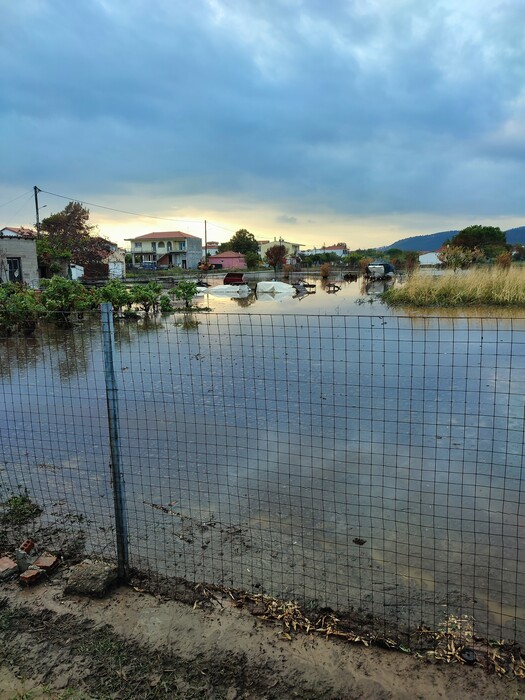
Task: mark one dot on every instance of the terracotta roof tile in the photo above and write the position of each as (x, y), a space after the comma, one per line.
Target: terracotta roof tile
(227, 254)
(18, 231)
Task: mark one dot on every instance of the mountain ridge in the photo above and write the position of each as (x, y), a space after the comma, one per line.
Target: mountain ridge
(433, 241)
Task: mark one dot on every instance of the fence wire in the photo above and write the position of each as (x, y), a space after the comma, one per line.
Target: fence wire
(351, 463)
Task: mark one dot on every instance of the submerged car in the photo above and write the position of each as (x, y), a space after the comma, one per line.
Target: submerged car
(380, 270)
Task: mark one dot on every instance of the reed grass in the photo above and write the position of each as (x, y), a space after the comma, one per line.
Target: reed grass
(478, 286)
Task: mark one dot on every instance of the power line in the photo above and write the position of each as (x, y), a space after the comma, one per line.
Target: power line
(132, 213)
(15, 198)
(21, 206)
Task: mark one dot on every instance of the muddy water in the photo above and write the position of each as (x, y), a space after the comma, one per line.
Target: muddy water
(366, 462)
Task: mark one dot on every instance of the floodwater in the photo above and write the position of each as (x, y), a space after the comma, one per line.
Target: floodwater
(355, 461)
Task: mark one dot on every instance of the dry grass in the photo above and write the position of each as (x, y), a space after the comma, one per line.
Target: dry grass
(478, 286)
(454, 640)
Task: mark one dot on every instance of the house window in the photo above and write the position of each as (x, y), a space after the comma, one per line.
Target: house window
(153, 246)
(138, 246)
(182, 245)
(161, 244)
(169, 247)
(14, 269)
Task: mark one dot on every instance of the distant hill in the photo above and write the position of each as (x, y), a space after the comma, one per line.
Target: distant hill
(434, 241)
(430, 242)
(516, 235)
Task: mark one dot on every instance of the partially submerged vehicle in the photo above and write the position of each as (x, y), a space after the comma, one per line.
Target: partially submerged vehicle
(229, 290)
(380, 270)
(274, 287)
(236, 278)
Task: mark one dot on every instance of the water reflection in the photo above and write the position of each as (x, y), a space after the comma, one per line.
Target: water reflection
(298, 433)
(376, 287)
(245, 302)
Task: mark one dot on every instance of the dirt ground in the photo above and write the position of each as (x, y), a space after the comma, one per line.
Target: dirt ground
(132, 644)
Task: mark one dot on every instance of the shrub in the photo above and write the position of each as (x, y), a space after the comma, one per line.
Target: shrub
(147, 296)
(325, 270)
(186, 291)
(20, 308)
(117, 293)
(62, 298)
(18, 510)
(166, 306)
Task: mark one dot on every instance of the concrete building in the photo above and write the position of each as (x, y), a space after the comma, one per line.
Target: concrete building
(340, 250)
(211, 248)
(429, 259)
(293, 249)
(167, 249)
(18, 260)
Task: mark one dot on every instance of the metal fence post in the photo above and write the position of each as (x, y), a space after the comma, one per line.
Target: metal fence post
(114, 440)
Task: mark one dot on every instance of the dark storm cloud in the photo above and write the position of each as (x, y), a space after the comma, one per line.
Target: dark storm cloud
(354, 107)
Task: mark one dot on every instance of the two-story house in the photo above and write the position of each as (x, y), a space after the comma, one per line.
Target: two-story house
(293, 249)
(18, 260)
(166, 249)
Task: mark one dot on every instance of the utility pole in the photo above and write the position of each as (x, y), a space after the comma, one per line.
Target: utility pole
(36, 191)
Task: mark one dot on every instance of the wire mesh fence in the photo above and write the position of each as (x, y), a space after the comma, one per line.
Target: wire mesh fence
(372, 465)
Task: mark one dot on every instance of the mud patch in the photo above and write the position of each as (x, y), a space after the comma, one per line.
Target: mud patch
(60, 647)
(59, 651)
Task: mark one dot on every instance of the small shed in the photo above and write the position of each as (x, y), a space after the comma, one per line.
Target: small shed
(429, 259)
(227, 260)
(18, 259)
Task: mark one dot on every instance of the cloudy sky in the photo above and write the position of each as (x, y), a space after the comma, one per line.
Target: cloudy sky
(320, 121)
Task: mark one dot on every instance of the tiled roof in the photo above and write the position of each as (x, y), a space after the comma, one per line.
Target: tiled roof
(162, 235)
(20, 232)
(228, 254)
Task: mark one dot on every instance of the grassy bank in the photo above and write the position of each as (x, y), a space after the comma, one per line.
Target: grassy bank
(478, 286)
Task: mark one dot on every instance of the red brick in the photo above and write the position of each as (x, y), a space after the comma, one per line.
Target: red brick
(27, 546)
(7, 568)
(30, 576)
(46, 562)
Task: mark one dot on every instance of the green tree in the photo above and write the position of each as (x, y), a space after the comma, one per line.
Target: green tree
(252, 260)
(147, 296)
(62, 298)
(117, 293)
(166, 307)
(20, 308)
(490, 239)
(186, 290)
(353, 259)
(68, 234)
(241, 242)
(455, 256)
(276, 255)
(393, 253)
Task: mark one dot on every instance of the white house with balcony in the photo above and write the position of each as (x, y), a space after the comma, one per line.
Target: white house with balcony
(166, 249)
(292, 249)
